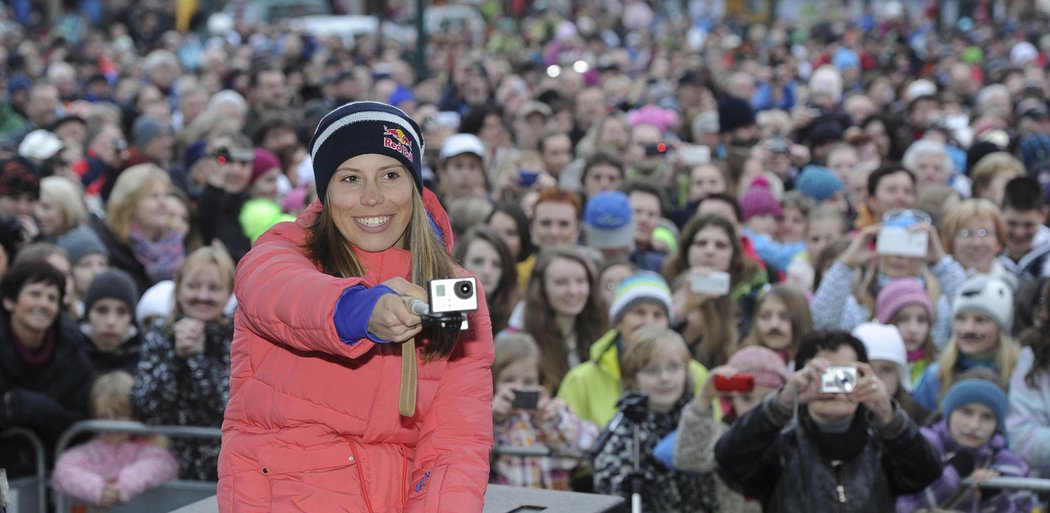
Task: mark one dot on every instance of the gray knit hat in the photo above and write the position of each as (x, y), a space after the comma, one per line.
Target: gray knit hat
(80, 242)
(111, 284)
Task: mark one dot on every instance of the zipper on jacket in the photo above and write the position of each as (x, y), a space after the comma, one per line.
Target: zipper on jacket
(840, 488)
(361, 477)
(404, 477)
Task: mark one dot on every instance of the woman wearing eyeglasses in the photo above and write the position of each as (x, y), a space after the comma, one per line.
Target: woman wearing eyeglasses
(974, 234)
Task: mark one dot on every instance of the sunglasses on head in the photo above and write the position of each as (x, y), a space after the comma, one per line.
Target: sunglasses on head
(227, 155)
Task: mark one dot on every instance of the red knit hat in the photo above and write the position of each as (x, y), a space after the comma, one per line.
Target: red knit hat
(758, 200)
(264, 161)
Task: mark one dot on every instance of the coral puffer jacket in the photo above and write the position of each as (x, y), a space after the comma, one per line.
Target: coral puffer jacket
(313, 425)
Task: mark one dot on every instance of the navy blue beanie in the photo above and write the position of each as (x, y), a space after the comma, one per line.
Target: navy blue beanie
(978, 391)
(361, 128)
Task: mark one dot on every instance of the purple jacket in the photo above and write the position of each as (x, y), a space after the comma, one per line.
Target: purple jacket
(994, 455)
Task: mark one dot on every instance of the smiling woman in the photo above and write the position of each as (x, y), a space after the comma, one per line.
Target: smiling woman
(325, 339)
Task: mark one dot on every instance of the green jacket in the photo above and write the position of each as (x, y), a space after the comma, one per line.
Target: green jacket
(592, 388)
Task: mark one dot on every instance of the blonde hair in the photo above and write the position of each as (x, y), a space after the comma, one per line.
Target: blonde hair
(65, 195)
(431, 260)
(979, 209)
(199, 258)
(642, 347)
(111, 395)
(512, 348)
(984, 170)
(132, 185)
(1005, 359)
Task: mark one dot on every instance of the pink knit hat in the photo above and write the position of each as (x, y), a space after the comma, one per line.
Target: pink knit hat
(264, 161)
(898, 294)
(761, 362)
(758, 200)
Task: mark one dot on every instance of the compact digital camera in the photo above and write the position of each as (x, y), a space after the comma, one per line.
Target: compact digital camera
(838, 380)
(734, 383)
(716, 283)
(453, 295)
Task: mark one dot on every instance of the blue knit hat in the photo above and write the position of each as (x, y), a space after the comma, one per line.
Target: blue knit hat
(818, 183)
(1035, 153)
(607, 220)
(978, 391)
(360, 128)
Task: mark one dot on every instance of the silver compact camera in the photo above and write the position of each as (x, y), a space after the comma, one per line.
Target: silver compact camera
(838, 380)
(453, 295)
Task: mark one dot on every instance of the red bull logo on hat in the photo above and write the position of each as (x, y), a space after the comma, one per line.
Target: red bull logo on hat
(395, 139)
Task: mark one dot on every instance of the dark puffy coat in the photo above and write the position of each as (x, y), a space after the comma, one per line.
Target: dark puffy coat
(45, 402)
(786, 469)
(190, 391)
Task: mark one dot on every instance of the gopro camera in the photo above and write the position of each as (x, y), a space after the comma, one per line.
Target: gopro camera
(734, 383)
(714, 283)
(838, 380)
(453, 295)
(525, 399)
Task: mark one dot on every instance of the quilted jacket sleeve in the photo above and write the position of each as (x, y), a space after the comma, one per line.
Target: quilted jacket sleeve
(152, 467)
(452, 456)
(283, 298)
(76, 474)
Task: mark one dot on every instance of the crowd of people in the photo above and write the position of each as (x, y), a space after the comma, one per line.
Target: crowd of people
(683, 223)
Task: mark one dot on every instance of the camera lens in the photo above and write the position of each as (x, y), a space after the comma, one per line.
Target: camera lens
(464, 289)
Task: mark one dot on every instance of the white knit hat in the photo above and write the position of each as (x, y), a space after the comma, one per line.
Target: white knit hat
(884, 342)
(643, 286)
(988, 295)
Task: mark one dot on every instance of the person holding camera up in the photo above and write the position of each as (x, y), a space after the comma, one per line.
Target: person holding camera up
(325, 332)
(851, 449)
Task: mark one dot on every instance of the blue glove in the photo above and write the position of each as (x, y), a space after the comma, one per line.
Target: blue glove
(664, 451)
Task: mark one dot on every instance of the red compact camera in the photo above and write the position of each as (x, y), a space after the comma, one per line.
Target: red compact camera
(734, 383)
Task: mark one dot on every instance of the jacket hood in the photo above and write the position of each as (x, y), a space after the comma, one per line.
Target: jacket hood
(940, 429)
(439, 219)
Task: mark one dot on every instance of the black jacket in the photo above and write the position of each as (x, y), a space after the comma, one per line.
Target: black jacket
(121, 257)
(786, 468)
(219, 217)
(190, 391)
(47, 402)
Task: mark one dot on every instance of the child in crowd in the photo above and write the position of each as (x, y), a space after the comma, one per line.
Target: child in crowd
(762, 216)
(824, 224)
(546, 421)
(906, 305)
(886, 354)
(108, 323)
(592, 388)
(89, 258)
(113, 467)
(970, 440)
(781, 318)
(791, 227)
(982, 315)
(699, 429)
(656, 377)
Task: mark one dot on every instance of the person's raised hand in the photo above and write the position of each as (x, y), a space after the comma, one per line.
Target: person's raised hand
(804, 384)
(871, 392)
(189, 336)
(934, 248)
(708, 391)
(392, 318)
(859, 251)
(501, 403)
